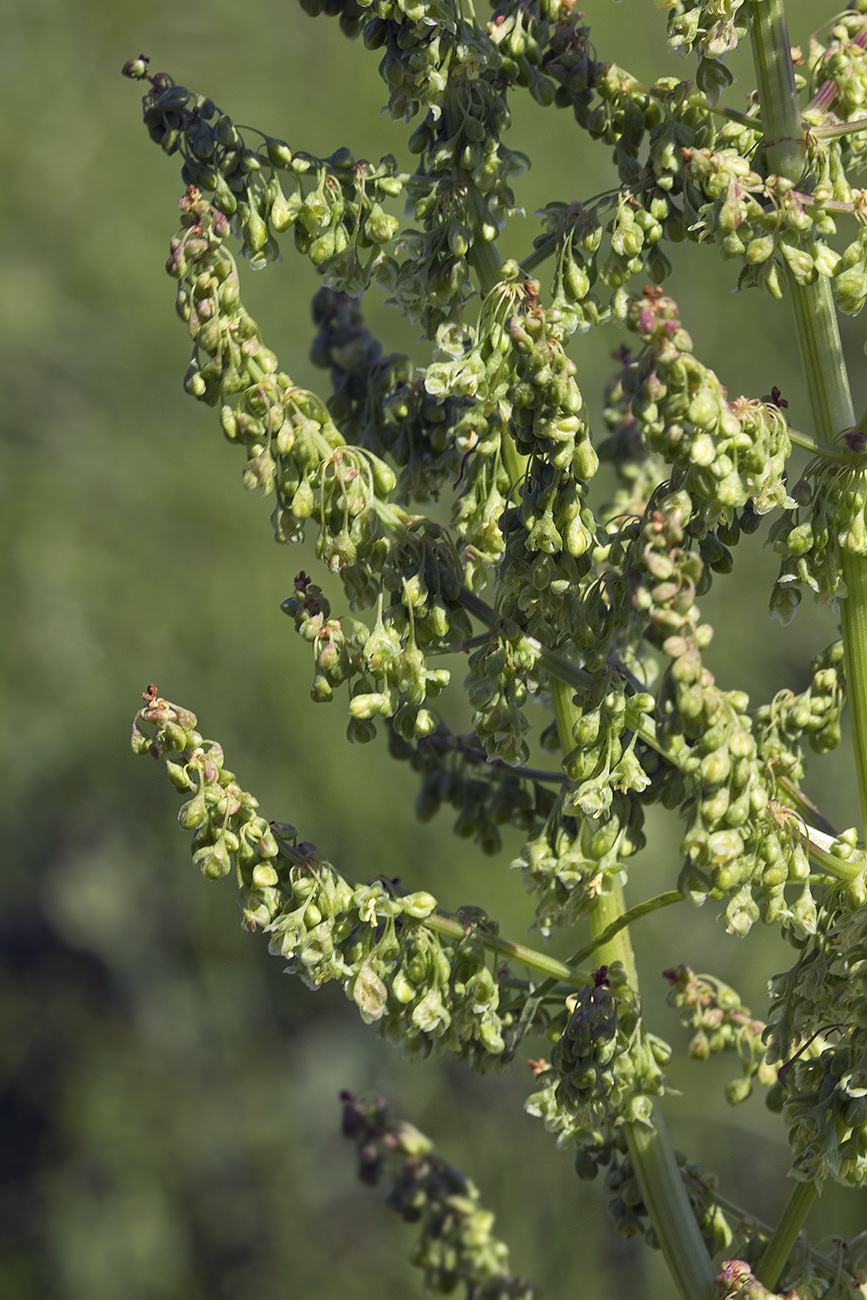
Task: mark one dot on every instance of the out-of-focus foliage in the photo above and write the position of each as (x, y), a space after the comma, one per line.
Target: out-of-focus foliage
(168, 1103)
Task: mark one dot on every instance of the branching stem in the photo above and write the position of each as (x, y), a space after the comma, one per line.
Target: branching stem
(656, 1169)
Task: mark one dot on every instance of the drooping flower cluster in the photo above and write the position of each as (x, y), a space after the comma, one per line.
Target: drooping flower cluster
(605, 1071)
(735, 845)
(727, 453)
(456, 1245)
(838, 89)
(721, 1023)
(486, 795)
(781, 727)
(817, 1038)
(334, 207)
(828, 516)
(424, 993)
(609, 1068)
(293, 446)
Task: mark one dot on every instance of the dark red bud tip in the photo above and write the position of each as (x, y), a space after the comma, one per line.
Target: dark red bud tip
(855, 440)
(776, 399)
(137, 69)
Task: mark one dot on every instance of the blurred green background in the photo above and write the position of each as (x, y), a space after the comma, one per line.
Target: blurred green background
(168, 1100)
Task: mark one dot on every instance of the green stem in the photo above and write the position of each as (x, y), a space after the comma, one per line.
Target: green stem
(656, 1169)
(626, 918)
(831, 406)
(837, 452)
(785, 142)
(821, 350)
(529, 957)
(779, 1247)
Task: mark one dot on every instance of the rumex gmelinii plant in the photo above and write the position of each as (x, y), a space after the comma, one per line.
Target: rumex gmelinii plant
(590, 608)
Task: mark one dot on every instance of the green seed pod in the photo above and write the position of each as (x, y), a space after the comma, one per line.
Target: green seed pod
(459, 237)
(284, 212)
(418, 905)
(380, 227)
(279, 153)
(772, 280)
(760, 249)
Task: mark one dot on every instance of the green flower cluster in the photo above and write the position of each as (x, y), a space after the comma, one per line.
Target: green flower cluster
(425, 43)
(736, 845)
(817, 1037)
(710, 27)
(634, 233)
(437, 435)
(638, 472)
(209, 302)
(814, 714)
(550, 532)
(669, 146)
(456, 1246)
(571, 858)
(376, 942)
(386, 664)
(720, 1023)
(461, 196)
(334, 207)
(838, 91)
(569, 62)
(497, 687)
(293, 446)
(381, 403)
(608, 1067)
(779, 231)
(727, 453)
(650, 128)
(579, 850)
(834, 504)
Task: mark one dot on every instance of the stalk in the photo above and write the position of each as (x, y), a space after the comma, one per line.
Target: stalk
(785, 1234)
(519, 952)
(821, 349)
(831, 406)
(653, 1159)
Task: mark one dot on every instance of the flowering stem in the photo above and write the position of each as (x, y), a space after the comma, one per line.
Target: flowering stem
(529, 957)
(656, 1169)
(821, 350)
(623, 920)
(831, 405)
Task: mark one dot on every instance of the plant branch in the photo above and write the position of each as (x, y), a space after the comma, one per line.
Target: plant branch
(626, 918)
(779, 1247)
(529, 957)
(656, 1169)
(821, 349)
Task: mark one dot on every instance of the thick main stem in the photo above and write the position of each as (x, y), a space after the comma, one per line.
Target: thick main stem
(653, 1159)
(831, 406)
